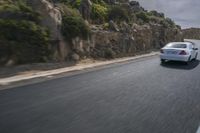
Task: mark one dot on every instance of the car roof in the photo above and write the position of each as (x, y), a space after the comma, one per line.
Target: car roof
(187, 43)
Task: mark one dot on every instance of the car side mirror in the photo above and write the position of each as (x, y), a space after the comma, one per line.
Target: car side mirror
(195, 48)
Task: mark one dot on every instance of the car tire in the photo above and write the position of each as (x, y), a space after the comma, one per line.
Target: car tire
(196, 56)
(162, 61)
(189, 60)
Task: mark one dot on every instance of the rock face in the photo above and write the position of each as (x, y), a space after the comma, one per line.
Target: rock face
(120, 40)
(191, 33)
(162, 35)
(52, 19)
(51, 16)
(129, 40)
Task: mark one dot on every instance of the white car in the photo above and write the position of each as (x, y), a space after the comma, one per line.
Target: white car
(179, 51)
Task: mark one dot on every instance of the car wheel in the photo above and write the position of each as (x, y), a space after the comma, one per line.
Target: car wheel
(162, 60)
(187, 62)
(196, 56)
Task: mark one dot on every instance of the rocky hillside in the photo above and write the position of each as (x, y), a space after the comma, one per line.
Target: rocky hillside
(62, 30)
(191, 33)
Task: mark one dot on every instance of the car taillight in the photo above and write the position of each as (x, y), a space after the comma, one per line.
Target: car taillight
(182, 53)
(161, 51)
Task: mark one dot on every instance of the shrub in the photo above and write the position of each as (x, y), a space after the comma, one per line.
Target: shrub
(23, 40)
(117, 13)
(73, 27)
(170, 22)
(106, 26)
(9, 7)
(157, 14)
(109, 53)
(72, 3)
(143, 16)
(167, 23)
(76, 4)
(100, 2)
(178, 26)
(99, 13)
(69, 11)
(164, 23)
(155, 19)
(18, 10)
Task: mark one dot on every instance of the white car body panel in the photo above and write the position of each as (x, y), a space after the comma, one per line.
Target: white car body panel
(174, 53)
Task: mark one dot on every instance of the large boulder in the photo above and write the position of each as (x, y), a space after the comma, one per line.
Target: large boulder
(51, 16)
(52, 19)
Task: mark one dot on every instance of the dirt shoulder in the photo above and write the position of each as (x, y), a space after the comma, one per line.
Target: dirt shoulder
(24, 72)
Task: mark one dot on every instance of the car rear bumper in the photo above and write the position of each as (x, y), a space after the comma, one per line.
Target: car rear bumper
(175, 58)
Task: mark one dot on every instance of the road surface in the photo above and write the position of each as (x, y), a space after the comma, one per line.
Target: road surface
(140, 96)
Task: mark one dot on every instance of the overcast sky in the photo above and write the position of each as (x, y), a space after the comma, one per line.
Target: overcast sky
(184, 12)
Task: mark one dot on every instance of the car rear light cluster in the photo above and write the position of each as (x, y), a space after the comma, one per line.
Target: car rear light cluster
(183, 52)
(161, 51)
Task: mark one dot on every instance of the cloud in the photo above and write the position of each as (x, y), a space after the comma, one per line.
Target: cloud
(183, 12)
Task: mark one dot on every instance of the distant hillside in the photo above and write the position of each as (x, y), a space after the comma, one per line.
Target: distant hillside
(191, 33)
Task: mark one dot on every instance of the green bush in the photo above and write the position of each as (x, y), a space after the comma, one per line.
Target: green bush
(109, 53)
(178, 27)
(155, 19)
(117, 13)
(9, 7)
(143, 16)
(24, 41)
(170, 22)
(69, 11)
(73, 27)
(72, 3)
(156, 14)
(99, 13)
(164, 23)
(100, 2)
(77, 4)
(18, 10)
(106, 26)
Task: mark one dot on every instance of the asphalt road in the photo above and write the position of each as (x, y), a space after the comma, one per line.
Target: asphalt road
(141, 96)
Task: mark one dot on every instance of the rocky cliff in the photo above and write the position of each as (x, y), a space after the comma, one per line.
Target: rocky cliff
(129, 41)
(102, 28)
(191, 33)
(124, 38)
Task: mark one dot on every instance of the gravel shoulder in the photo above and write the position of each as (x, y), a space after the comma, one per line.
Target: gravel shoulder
(19, 73)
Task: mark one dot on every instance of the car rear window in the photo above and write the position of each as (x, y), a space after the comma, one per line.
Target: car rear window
(176, 46)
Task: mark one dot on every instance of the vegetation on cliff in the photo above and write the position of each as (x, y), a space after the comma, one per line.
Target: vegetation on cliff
(23, 41)
(24, 37)
(73, 27)
(101, 12)
(191, 33)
